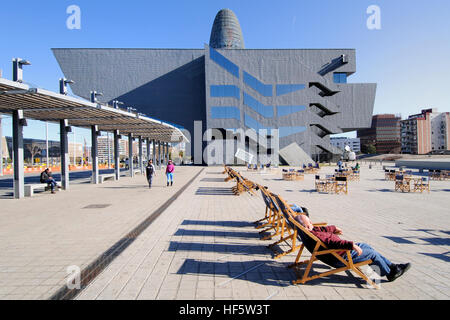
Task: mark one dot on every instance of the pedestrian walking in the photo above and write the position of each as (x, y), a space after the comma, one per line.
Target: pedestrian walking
(169, 172)
(150, 170)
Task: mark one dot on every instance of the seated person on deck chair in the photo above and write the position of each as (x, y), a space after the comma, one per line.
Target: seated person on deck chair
(361, 251)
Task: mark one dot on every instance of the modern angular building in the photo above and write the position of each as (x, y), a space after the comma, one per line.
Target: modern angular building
(301, 92)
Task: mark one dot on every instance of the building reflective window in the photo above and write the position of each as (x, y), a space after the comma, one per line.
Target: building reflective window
(263, 89)
(225, 91)
(287, 110)
(340, 77)
(224, 62)
(287, 131)
(254, 124)
(266, 111)
(288, 88)
(225, 113)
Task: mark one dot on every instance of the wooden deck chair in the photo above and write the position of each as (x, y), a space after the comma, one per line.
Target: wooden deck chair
(244, 185)
(276, 219)
(288, 232)
(341, 185)
(319, 251)
(231, 174)
(269, 220)
(421, 185)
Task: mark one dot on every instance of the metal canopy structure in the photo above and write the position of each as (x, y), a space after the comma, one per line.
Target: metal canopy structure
(24, 102)
(40, 104)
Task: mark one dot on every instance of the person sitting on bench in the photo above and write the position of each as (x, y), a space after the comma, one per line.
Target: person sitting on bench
(360, 251)
(46, 177)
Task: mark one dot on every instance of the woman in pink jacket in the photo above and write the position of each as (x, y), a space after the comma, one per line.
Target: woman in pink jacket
(169, 172)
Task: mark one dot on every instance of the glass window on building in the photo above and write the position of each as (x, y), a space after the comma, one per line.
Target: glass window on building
(224, 62)
(225, 91)
(225, 113)
(287, 110)
(287, 131)
(340, 77)
(266, 111)
(254, 124)
(288, 88)
(263, 89)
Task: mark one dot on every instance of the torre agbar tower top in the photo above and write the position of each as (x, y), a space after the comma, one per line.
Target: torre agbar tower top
(304, 93)
(226, 32)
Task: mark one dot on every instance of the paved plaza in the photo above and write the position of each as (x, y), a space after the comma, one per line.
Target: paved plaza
(204, 245)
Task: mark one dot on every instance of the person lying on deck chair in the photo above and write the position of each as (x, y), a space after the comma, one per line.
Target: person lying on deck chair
(360, 251)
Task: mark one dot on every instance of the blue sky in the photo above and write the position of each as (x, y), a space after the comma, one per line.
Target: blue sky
(408, 57)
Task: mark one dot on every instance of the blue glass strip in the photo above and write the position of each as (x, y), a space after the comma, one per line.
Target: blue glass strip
(225, 91)
(224, 62)
(287, 110)
(340, 77)
(264, 89)
(288, 88)
(287, 131)
(225, 113)
(254, 124)
(266, 111)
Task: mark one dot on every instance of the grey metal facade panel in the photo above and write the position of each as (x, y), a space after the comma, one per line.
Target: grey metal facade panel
(115, 72)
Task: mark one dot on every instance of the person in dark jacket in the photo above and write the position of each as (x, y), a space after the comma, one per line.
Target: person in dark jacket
(46, 177)
(150, 170)
(360, 251)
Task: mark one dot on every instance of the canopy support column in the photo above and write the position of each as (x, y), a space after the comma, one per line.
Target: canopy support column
(141, 156)
(19, 177)
(154, 152)
(116, 155)
(130, 154)
(159, 155)
(147, 141)
(64, 147)
(94, 154)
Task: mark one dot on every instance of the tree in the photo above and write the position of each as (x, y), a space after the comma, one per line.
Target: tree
(34, 150)
(368, 149)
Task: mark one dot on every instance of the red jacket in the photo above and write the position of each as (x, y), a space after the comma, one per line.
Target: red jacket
(327, 236)
(170, 168)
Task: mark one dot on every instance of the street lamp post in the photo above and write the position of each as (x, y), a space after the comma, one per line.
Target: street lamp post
(46, 143)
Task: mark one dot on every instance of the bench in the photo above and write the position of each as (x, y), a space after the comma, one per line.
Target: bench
(29, 188)
(103, 177)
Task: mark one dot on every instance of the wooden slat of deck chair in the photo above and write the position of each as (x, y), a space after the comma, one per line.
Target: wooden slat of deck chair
(319, 251)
